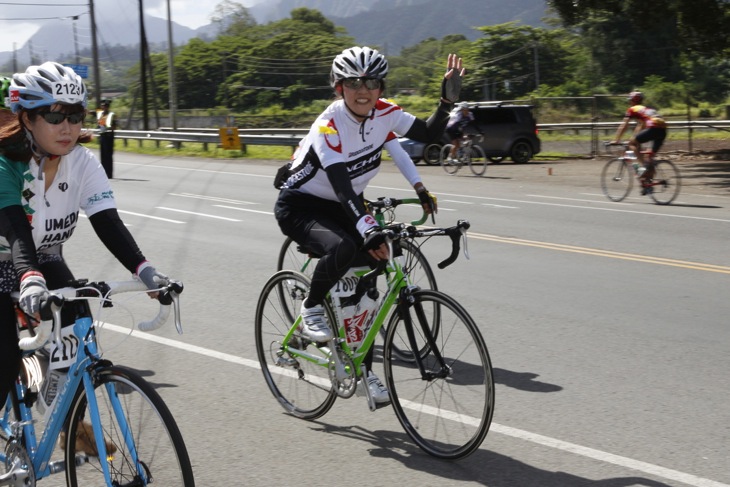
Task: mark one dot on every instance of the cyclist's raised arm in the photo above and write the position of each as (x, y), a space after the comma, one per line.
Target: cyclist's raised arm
(432, 129)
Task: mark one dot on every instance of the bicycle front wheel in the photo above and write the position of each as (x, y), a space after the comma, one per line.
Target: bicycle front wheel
(616, 179)
(143, 442)
(295, 369)
(666, 183)
(449, 164)
(447, 407)
(478, 161)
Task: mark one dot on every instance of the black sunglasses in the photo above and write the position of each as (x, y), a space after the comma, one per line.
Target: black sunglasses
(55, 118)
(356, 83)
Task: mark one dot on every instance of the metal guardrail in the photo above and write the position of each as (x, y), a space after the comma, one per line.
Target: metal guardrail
(210, 136)
(291, 137)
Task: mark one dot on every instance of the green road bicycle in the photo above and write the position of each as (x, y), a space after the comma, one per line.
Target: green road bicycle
(440, 380)
(133, 433)
(617, 177)
(414, 263)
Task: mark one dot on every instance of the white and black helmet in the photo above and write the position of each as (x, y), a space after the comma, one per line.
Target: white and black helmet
(358, 62)
(45, 85)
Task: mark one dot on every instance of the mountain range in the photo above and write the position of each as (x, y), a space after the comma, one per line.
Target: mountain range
(387, 24)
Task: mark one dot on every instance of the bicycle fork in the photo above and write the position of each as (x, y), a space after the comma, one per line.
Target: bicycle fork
(408, 300)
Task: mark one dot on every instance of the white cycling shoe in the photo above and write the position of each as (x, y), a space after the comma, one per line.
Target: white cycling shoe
(378, 391)
(314, 327)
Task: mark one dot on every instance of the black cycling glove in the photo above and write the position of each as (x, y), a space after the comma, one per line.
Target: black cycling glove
(429, 200)
(451, 87)
(374, 238)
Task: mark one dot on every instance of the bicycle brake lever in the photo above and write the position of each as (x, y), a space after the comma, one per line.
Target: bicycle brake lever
(176, 309)
(390, 252)
(466, 247)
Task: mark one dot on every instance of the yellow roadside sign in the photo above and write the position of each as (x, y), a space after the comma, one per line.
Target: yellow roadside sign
(229, 138)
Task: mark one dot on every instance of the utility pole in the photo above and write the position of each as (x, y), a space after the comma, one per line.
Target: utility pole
(95, 55)
(15, 57)
(171, 70)
(76, 42)
(537, 67)
(143, 65)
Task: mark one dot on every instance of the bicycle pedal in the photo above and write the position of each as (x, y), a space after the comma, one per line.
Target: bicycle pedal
(286, 362)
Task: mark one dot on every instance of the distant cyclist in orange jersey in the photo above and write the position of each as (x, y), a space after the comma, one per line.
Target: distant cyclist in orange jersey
(650, 127)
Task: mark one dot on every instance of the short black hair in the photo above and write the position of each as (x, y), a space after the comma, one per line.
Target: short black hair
(106, 101)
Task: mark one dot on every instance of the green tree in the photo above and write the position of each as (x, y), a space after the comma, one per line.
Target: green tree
(633, 39)
(232, 18)
(510, 61)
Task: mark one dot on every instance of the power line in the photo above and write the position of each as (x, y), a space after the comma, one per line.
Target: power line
(45, 4)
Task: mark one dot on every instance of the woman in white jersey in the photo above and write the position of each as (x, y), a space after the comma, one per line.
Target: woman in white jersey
(46, 177)
(321, 206)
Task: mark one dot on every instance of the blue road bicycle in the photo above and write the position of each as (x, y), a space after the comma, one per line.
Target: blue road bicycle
(133, 438)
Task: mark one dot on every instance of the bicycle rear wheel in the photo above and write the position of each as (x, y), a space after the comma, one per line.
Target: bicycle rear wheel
(616, 179)
(295, 370)
(450, 165)
(291, 258)
(478, 161)
(448, 412)
(143, 440)
(666, 183)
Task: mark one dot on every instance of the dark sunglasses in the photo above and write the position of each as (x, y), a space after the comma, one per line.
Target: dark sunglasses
(356, 83)
(55, 118)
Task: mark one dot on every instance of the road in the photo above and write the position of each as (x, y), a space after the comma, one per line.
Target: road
(607, 324)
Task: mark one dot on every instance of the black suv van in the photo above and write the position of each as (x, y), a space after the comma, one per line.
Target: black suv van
(509, 131)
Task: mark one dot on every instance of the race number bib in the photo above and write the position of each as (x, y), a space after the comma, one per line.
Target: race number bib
(66, 92)
(63, 354)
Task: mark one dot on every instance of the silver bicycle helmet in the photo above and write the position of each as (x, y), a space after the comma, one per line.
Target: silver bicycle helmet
(358, 62)
(45, 85)
(636, 97)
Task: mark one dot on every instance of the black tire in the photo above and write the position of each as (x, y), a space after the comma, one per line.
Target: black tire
(431, 154)
(616, 179)
(302, 387)
(447, 416)
(478, 161)
(450, 166)
(151, 435)
(521, 152)
(666, 183)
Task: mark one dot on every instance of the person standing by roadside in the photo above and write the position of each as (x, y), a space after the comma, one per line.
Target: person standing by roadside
(106, 121)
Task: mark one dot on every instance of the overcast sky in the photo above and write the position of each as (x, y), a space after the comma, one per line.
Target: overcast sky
(20, 19)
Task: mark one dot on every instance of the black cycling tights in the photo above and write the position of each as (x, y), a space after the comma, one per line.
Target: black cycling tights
(339, 250)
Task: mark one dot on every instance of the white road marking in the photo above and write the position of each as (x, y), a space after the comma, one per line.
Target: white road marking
(620, 461)
(149, 216)
(198, 214)
(245, 209)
